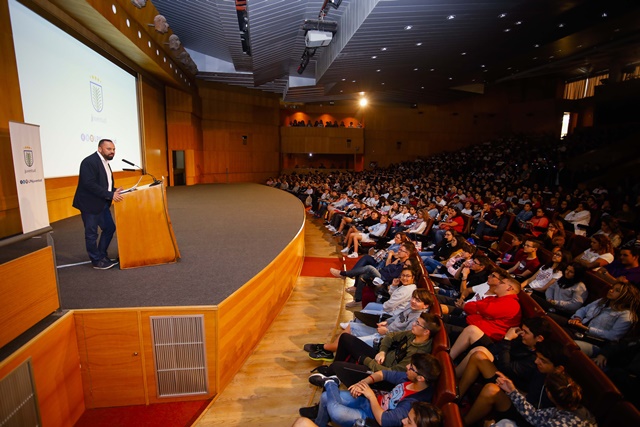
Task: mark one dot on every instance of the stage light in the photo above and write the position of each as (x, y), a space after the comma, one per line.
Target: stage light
(363, 102)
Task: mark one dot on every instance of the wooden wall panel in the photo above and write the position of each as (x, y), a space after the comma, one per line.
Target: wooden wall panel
(210, 322)
(10, 109)
(321, 140)
(56, 368)
(28, 293)
(245, 316)
(154, 128)
(111, 358)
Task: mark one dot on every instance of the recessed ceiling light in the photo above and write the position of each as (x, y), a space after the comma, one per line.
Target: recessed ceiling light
(421, 87)
(378, 70)
(509, 68)
(561, 25)
(408, 27)
(502, 15)
(485, 71)
(604, 14)
(344, 80)
(518, 22)
(383, 49)
(482, 66)
(433, 69)
(419, 44)
(451, 17)
(535, 57)
(506, 30)
(382, 83)
(463, 53)
(551, 57)
(361, 93)
(415, 69)
(536, 45)
(353, 81)
(373, 57)
(579, 46)
(450, 78)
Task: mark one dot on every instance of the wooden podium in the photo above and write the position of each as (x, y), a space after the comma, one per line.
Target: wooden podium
(145, 234)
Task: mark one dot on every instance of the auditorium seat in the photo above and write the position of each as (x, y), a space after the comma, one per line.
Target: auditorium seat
(451, 415)
(599, 393)
(446, 388)
(578, 244)
(440, 342)
(560, 336)
(468, 220)
(529, 306)
(621, 414)
(544, 256)
(597, 286)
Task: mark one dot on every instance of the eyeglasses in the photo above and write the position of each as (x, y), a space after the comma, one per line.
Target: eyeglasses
(417, 323)
(496, 276)
(412, 369)
(403, 250)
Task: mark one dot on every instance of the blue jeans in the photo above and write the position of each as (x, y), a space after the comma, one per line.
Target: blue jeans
(431, 264)
(364, 272)
(97, 250)
(341, 408)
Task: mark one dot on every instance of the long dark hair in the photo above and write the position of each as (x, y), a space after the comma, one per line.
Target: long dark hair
(579, 272)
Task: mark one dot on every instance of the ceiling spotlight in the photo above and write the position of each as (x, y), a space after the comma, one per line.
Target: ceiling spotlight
(373, 57)
(502, 15)
(604, 14)
(433, 69)
(344, 80)
(561, 25)
(419, 44)
(518, 22)
(506, 30)
(536, 45)
(334, 3)
(363, 102)
(463, 53)
(378, 70)
(450, 17)
(482, 66)
(353, 81)
(361, 94)
(415, 69)
(383, 49)
(408, 27)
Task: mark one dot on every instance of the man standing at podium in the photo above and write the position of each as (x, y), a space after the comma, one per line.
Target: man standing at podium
(93, 198)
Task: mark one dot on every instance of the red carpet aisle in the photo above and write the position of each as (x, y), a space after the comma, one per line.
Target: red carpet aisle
(165, 415)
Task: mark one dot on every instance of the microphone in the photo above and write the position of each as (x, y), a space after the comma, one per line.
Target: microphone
(155, 181)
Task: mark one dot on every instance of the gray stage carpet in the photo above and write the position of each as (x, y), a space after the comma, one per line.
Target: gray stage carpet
(227, 233)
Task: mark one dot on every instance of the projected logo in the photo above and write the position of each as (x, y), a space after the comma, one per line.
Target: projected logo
(28, 157)
(97, 98)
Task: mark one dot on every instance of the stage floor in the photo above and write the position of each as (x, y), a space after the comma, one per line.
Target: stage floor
(226, 233)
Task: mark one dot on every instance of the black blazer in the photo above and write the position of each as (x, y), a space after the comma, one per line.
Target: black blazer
(92, 194)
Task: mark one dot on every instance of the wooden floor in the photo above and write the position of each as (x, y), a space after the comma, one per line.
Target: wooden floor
(273, 383)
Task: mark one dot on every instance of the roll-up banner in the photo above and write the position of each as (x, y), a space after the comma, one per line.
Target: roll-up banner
(27, 164)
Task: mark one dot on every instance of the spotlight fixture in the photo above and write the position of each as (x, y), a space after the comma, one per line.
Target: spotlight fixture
(334, 3)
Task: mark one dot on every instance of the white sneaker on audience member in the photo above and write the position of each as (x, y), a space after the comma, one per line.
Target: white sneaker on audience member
(346, 250)
(335, 272)
(353, 255)
(344, 325)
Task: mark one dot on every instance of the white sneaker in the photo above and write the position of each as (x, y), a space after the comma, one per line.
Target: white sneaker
(335, 272)
(344, 325)
(346, 250)
(353, 255)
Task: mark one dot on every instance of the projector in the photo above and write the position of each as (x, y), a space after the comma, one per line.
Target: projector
(316, 38)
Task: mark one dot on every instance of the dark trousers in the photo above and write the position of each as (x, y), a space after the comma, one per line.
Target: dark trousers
(97, 249)
(353, 349)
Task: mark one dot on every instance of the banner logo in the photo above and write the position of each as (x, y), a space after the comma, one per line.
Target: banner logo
(28, 158)
(96, 96)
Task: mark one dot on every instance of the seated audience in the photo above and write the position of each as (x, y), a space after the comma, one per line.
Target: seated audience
(610, 228)
(529, 264)
(549, 273)
(598, 255)
(549, 358)
(565, 295)
(606, 319)
(343, 408)
(488, 319)
(551, 237)
(626, 267)
(563, 392)
(579, 218)
(493, 227)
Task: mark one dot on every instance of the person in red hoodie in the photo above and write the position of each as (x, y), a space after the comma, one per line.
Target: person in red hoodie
(488, 319)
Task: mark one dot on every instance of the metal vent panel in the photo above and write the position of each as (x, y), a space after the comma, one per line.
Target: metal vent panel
(179, 353)
(18, 400)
